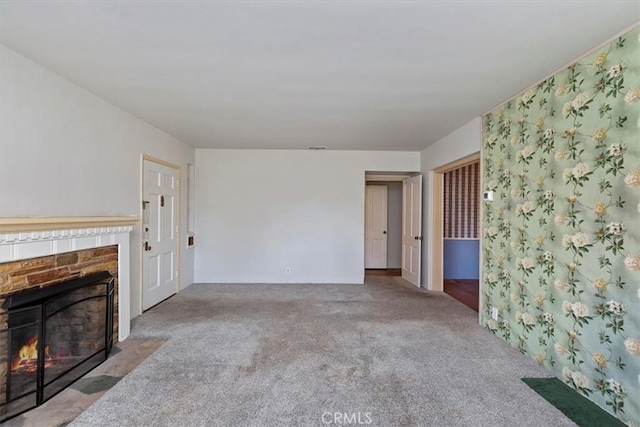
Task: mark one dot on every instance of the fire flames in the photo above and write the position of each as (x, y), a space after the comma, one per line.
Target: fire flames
(27, 357)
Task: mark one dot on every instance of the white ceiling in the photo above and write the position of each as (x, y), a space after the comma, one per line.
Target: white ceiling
(383, 75)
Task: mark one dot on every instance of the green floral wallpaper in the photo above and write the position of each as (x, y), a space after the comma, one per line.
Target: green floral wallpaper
(561, 240)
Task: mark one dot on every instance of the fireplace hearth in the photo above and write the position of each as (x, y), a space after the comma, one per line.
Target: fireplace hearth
(54, 336)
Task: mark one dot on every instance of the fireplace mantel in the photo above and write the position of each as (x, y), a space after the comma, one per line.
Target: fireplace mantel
(18, 225)
(25, 238)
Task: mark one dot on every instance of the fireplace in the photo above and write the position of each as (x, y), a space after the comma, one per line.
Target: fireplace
(54, 335)
(43, 253)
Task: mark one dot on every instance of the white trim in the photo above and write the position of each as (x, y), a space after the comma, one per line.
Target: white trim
(8, 225)
(52, 235)
(387, 178)
(33, 244)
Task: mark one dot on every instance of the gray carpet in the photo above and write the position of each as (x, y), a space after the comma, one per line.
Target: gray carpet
(287, 355)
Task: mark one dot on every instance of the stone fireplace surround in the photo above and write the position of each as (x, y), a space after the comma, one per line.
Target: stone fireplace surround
(54, 333)
(26, 238)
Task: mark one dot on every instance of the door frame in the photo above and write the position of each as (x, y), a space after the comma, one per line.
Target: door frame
(178, 170)
(437, 235)
(387, 177)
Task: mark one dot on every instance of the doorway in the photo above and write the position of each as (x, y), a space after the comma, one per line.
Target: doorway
(458, 216)
(393, 225)
(160, 232)
(383, 228)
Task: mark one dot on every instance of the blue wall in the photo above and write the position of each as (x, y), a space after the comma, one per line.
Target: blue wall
(461, 259)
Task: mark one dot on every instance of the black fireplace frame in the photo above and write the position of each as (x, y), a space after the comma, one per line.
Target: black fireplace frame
(39, 299)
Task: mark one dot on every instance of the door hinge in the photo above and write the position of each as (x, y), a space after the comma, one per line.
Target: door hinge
(162, 201)
(177, 183)
(177, 273)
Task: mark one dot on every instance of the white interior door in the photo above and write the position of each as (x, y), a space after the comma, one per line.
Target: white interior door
(160, 233)
(375, 226)
(412, 229)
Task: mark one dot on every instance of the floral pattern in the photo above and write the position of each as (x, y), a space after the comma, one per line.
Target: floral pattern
(561, 239)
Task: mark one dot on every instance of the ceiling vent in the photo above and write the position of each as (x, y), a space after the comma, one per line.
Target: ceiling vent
(317, 147)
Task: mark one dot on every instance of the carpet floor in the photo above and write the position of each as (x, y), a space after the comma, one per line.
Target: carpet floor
(306, 355)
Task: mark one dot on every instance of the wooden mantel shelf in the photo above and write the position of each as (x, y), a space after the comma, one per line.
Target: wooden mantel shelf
(18, 225)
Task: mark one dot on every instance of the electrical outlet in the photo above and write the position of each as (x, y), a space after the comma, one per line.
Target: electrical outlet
(287, 270)
(494, 313)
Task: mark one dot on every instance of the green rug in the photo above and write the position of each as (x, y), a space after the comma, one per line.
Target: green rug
(90, 385)
(578, 408)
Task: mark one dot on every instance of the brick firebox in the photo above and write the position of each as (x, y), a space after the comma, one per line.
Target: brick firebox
(17, 276)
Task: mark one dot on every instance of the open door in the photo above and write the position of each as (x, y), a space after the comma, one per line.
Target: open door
(412, 229)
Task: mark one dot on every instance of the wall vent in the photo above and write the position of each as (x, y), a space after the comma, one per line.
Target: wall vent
(317, 147)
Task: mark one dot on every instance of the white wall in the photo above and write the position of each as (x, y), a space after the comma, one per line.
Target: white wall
(460, 143)
(66, 152)
(261, 211)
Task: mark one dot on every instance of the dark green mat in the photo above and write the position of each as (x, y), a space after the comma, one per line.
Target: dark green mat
(90, 385)
(580, 409)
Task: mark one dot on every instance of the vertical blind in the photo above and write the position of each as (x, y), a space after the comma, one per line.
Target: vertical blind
(462, 202)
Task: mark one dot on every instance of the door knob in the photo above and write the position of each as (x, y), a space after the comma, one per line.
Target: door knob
(147, 246)
(384, 232)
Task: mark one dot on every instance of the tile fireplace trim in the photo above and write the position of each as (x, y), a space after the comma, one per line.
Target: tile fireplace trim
(25, 238)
